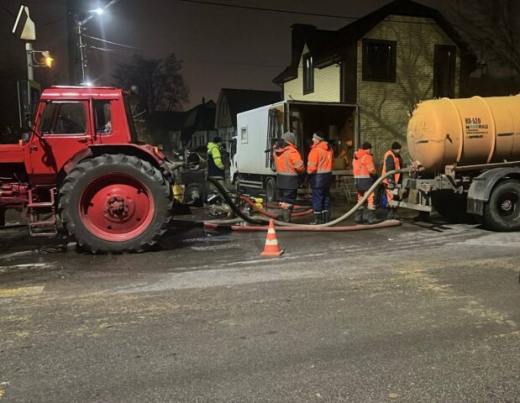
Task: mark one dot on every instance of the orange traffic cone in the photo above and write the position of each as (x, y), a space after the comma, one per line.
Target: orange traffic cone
(271, 243)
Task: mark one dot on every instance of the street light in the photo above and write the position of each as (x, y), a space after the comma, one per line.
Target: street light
(98, 11)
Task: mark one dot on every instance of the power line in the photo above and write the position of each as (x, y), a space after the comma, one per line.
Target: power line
(273, 10)
(109, 42)
(109, 50)
(8, 12)
(53, 22)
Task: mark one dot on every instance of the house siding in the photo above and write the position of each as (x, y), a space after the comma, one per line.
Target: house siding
(327, 85)
(385, 108)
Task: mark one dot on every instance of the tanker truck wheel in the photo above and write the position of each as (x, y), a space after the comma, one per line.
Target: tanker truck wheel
(116, 203)
(502, 213)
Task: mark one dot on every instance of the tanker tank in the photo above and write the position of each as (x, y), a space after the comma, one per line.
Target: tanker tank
(465, 132)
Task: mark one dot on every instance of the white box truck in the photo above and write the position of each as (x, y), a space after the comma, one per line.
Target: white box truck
(252, 169)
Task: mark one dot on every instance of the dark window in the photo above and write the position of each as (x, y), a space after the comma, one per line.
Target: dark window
(64, 118)
(130, 120)
(308, 74)
(379, 60)
(102, 117)
(444, 66)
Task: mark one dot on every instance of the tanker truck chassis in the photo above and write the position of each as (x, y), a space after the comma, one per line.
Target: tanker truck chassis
(466, 155)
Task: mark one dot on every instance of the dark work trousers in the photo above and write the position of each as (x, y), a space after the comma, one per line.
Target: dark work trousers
(288, 196)
(321, 199)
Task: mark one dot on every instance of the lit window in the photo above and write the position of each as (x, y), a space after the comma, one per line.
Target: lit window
(308, 74)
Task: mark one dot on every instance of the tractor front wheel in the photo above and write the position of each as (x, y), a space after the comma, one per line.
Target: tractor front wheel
(116, 203)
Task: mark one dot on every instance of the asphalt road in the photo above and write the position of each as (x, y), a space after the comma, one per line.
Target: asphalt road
(419, 313)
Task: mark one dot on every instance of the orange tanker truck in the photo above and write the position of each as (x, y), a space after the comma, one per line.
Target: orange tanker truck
(466, 155)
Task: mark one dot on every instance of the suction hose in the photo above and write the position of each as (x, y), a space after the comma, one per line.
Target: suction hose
(262, 220)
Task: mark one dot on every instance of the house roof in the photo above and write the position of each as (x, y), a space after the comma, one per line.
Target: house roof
(240, 100)
(173, 121)
(330, 45)
(319, 42)
(198, 118)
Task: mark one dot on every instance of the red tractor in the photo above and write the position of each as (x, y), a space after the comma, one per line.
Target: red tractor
(83, 163)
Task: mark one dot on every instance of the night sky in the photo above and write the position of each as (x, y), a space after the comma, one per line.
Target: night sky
(220, 46)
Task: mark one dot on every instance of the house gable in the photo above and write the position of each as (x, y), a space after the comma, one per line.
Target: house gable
(326, 83)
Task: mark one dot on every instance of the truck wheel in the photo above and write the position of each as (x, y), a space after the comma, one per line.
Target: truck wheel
(116, 203)
(502, 213)
(271, 190)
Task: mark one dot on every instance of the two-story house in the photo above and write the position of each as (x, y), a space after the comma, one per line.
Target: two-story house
(385, 63)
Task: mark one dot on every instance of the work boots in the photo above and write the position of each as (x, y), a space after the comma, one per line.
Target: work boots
(326, 216)
(318, 218)
(372, 219)
(359, 216)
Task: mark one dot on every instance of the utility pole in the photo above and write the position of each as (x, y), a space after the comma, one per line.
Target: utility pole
(82, 54)
(30, 68)
(75, 43)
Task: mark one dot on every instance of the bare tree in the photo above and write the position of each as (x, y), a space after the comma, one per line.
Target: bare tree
(492, 27)
(160, 84)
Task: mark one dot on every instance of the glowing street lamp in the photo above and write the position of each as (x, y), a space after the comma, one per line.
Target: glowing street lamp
(98, 11)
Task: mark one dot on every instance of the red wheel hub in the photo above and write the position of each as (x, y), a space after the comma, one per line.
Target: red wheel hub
(116, 207)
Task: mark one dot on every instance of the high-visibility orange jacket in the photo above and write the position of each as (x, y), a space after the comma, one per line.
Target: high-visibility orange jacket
(289, 166)
(319, 165)
(391, 162)
(364, 169)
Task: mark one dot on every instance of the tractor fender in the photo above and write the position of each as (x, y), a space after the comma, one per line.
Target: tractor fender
(143, 151)
(482, 186)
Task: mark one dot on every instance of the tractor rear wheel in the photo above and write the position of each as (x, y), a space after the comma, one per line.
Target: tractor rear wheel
(116, 203)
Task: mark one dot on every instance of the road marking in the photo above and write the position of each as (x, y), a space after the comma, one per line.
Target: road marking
(20, 292)
(4, 269)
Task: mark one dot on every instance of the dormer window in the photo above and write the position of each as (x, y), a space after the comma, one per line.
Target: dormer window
(308, 74)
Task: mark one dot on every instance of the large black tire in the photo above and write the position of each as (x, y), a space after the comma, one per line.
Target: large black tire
(271, 190)
(111, 170)
(502, 212)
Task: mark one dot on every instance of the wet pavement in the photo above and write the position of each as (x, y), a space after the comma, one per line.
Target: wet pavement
(419, 313)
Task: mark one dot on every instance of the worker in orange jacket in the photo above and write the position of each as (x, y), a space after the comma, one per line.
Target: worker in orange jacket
(391, 161)
(319, 169)
(365, 176)
(289, 169)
